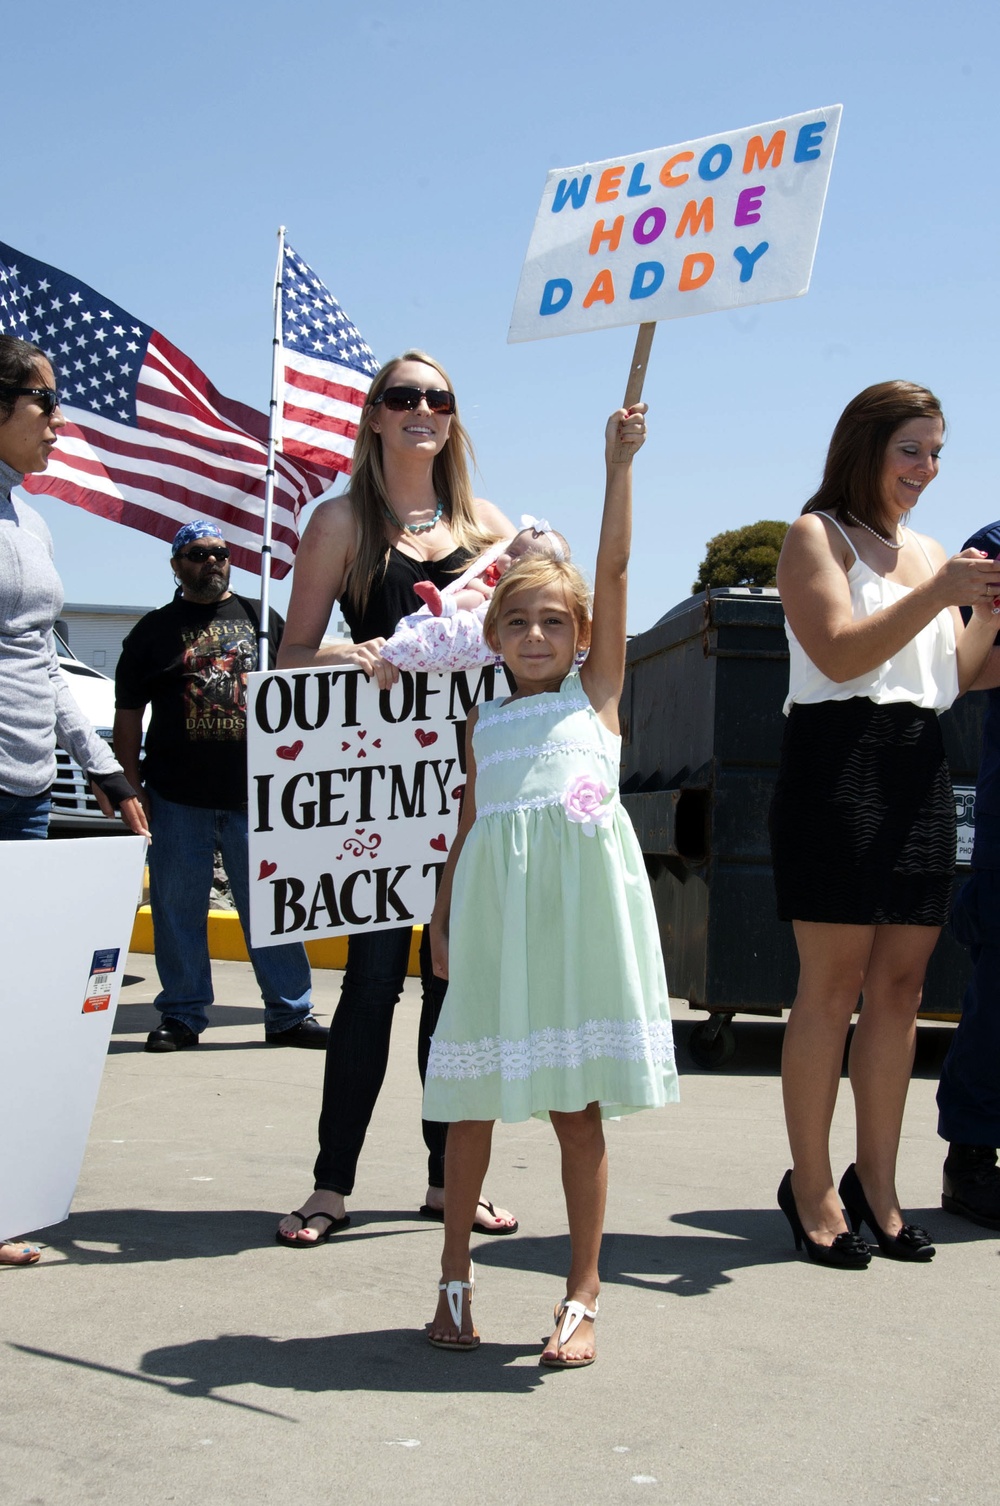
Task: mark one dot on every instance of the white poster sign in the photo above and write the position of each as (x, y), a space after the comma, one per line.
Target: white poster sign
(66, 914)
(717, 223)
(353, 796)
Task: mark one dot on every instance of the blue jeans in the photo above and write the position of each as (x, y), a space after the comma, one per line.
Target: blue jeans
(24, 818)
(357, 1053)
(968, 1094)
(181, 861)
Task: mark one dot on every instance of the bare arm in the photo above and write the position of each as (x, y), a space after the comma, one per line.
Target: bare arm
(815, 593)
(603, 674)
(441, 918)
(322, 563)
(988, 677)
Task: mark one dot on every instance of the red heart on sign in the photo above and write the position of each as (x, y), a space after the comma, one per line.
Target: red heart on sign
(266, 869)
(362, 753)
(363, 735)
(439, 844)
(458, 792)
(377, 743)
(292, 751)
(344, 747)
(425, 738)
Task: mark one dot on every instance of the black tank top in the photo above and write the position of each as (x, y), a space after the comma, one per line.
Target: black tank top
(392, 595)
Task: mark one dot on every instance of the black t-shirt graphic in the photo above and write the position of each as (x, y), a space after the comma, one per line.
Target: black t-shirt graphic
(189, 662)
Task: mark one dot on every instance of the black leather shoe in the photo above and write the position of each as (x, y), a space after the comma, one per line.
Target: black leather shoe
(171, 1036)
(972, 1184)
(310, 1034)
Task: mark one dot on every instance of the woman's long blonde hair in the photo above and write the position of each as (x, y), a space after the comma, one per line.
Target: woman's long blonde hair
(371, 503)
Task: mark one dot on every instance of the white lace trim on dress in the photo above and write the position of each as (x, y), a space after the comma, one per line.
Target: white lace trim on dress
(530, 707)
(539, 750)
(592, 1040)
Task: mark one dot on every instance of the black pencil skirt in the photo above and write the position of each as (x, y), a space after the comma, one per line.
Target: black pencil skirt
(862, 821)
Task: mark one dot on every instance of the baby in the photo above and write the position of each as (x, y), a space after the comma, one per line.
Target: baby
(447, 633)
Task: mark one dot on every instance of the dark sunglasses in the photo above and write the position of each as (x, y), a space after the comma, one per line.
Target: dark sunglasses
(197, 555)
(46, 397)
(407, 399)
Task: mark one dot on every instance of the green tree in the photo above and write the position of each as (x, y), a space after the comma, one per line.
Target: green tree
(742, 557)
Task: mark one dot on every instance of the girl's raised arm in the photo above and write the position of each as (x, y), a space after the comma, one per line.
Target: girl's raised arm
(603, 674)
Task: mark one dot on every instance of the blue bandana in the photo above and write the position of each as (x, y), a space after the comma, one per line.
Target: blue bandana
(198, 528)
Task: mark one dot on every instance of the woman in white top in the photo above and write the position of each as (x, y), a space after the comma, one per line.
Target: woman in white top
(863, 822)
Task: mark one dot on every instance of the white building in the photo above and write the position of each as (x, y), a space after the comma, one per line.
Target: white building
(95, 633)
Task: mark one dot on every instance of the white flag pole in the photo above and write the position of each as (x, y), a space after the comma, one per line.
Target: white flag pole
(272, 447)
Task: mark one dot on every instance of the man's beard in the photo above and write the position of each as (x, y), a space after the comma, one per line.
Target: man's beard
(210, 589)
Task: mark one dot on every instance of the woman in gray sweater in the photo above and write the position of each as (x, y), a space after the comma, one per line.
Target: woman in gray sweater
(36, 707)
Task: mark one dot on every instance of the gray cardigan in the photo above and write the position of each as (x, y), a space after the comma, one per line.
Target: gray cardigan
(37, 709)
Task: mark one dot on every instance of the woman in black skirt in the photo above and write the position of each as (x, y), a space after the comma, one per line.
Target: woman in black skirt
(863, 819)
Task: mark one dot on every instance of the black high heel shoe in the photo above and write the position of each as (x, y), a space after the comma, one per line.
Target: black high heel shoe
(911, 1243)
(848, 1251)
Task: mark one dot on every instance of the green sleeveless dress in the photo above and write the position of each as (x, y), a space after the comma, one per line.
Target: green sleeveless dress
(557, 996)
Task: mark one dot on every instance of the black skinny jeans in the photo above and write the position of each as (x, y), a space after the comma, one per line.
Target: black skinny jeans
(357, 1053)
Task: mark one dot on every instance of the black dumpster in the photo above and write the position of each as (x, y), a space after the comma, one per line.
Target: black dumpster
(702, 727)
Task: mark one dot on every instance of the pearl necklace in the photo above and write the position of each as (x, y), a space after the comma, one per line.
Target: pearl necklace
(875, 535)
(418, 527)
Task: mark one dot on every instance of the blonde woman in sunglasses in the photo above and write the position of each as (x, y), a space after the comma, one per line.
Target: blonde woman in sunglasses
(409, 515)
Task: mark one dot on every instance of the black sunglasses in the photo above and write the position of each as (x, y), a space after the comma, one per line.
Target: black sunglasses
(47, 397)
(407, 399)
(198, 555)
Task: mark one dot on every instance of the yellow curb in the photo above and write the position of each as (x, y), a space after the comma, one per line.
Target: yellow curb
(226, 943)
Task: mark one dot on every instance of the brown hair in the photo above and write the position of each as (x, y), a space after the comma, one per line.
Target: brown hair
(852, 476)
(18, 363)
(529, 574)
(370, 500)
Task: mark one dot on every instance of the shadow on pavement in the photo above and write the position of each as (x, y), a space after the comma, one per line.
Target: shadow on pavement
(389, 1360)
(759, 1042)
(158, 1234)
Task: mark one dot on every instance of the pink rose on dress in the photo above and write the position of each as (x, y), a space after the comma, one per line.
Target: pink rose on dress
(583, 801)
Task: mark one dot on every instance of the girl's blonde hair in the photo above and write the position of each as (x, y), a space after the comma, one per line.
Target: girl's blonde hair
(370, 501)
(530, 574)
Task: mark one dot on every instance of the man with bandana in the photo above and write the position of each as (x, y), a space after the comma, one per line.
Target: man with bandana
(189, 661)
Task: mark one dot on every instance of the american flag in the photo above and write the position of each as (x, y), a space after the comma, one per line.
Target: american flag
(328, 369)
(149, 441)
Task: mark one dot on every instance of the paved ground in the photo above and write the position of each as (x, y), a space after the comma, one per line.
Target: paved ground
(168, 1351)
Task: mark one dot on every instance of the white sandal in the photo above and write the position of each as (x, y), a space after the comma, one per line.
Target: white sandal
(575, 1312)
(453, 1292)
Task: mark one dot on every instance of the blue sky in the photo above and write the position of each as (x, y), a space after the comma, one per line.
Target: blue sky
(405, 147)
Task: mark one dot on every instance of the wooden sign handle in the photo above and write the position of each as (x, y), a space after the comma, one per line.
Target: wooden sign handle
(636, 376)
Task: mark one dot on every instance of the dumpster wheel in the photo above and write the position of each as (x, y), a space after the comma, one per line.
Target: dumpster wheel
(712, 1043)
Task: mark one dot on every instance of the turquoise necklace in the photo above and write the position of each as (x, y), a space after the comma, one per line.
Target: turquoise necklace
(418, 527)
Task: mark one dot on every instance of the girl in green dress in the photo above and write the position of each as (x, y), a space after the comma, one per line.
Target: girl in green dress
(557, 1004)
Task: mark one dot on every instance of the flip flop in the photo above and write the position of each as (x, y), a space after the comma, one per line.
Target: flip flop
(437, 1214)
(572, 1314)
(27, 1255)
(291, 1243)
(453, 1292)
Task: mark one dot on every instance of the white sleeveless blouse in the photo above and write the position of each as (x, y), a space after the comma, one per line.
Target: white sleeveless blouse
(924, 671)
